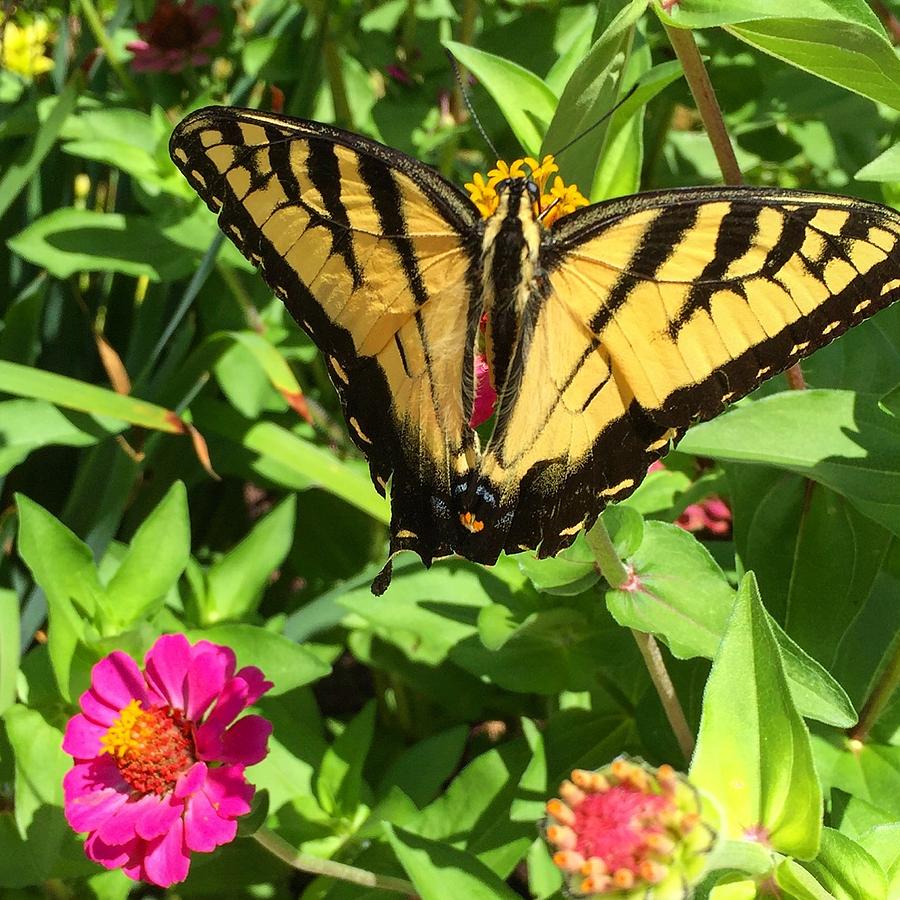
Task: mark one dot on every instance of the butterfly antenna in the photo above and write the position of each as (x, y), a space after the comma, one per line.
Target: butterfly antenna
(468, 101)
(599, 121)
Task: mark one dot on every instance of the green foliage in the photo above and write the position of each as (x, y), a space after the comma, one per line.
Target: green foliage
(173, 459)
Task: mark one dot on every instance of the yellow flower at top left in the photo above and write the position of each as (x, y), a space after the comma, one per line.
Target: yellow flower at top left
(24, 46)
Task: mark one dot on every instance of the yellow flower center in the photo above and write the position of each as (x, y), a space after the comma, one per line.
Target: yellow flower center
(561, 200)
(151, 747)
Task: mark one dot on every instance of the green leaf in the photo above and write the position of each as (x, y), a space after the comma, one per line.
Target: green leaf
(421, 770)
(475, 808)
(9, 648)
(283, 662)
(79, 395)
(157, 556)
(590, 93)
(439, 871)
(798, 884)
(288, 459)
(883, 843)
(526, 102)
(40, 765)
(17, 175)
(626, 529)
(847, 443)
(68, 241)
(712, 13)
(64, 568)
(885, 167)
(844, 53)
(681, 594)
(339, 784)
(569, 573)
(234, 583)
(28, 425)
(753, 751)
(846, 869)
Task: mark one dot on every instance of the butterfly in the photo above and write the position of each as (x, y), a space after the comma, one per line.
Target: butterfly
(608, 332)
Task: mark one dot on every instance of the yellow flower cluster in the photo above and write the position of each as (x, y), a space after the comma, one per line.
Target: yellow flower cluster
(559, 201)
(24, 46)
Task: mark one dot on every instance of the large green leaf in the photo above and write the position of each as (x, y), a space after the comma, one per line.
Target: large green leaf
(525, 100)
(847, 870)
(439, 871)
(845, 442)
(753, 750)
(27, 425)
(9, 648)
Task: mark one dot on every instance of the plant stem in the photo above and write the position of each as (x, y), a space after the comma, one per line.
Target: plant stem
(279, 847)
(611, 567)
(102, 38)
(613, 570)
(697, 77)
(884, 688)
(656, 666)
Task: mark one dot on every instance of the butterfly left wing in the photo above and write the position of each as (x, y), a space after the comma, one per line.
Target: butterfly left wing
(657, 310)
(376, 257)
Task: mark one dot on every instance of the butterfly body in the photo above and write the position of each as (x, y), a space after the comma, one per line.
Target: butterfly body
(607, 333)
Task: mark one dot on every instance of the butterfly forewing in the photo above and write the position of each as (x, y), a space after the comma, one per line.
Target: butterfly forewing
(376, 257)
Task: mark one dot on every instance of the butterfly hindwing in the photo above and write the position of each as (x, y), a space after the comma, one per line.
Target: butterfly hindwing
(660, 309)
(376, 257)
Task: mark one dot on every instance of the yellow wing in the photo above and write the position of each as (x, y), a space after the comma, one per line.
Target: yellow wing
(658, 310)
(377, 258)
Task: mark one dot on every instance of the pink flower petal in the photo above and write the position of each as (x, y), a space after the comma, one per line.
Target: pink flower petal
(88, 812)
(117, 680)
(82, 738)
(160, 818)
(232, 701)
(191, 781)
(120, 828)
(137, 46)
(256, 683)
(245, 742)
(96, 710)
(205, 678)
(92, 776)
(112, 856)
(204, 829)
(228, 791)
(166, 665)
(485, 395)
(167, 860)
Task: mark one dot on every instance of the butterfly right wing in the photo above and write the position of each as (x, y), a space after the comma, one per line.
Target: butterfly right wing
(376, 257)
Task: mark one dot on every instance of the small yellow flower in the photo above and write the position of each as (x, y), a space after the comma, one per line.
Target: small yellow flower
(561, 200)
(541, 171)
(503, 171)
(483, 195)
(24, 46)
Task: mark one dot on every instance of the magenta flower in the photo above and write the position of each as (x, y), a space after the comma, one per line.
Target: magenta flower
(485, 395)
(159, 760)
(177, 35)
(629, 831)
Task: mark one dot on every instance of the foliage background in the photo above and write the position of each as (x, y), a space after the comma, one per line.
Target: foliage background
(138, 352)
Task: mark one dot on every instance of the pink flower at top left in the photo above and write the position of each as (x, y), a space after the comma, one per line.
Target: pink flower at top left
(160, 755)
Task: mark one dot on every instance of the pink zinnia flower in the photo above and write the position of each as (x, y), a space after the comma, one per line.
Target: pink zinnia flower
(177, 35)
(629, 830)
(485, 395)
(159, 766)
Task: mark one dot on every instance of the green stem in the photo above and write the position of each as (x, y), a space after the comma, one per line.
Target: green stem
(884, 689)
(314, 865)
(617, 575)
(697, 77)
(102, 38)
(656, 666)
(611, 567)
